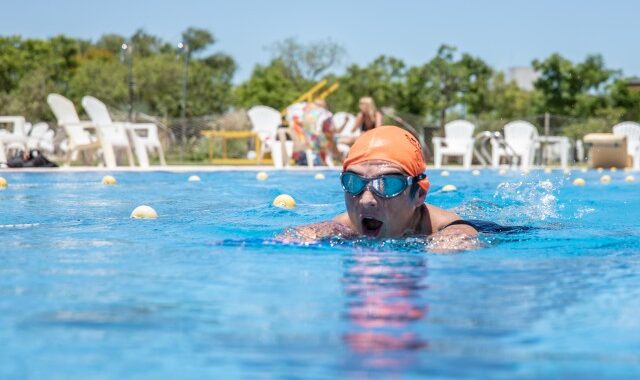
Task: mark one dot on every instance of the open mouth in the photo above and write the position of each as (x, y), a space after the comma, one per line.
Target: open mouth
(371, 227)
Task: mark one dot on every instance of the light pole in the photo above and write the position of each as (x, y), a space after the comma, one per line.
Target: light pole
(127, 49)
(184, 47)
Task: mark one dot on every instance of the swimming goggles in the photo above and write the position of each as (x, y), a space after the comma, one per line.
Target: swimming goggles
(385, 186)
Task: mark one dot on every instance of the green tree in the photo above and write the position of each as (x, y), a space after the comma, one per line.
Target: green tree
(104, 79)
(444, 82)
(197, 39)
(574, 90)
(146, 45)
(158, 85)
(477, 75)
(625, 99)
(12, 62)
(271, 85)
(382, 80)
(307, 62)
(209, 89)
(29, 97)
(507, 101)
(111, 42)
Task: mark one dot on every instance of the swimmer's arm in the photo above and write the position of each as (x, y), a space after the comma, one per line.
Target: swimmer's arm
(447, 238)
(378, 121)
(357, 123)
(310, 233)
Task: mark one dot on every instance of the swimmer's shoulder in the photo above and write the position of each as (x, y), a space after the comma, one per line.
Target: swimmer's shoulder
(343, 219)
(447, 222)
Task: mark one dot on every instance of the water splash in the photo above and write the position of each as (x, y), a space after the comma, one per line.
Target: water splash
(516, 203)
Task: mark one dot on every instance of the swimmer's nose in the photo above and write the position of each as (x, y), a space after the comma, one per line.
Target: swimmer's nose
(367, 199)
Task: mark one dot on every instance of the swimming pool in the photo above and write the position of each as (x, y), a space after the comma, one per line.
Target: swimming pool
(203, 291)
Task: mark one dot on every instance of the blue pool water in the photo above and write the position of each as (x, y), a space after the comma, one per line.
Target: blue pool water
(202, 292)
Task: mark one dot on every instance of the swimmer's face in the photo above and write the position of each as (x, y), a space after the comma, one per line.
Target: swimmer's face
(375, 216)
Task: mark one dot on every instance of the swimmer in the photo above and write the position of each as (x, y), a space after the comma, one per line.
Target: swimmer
(384, 190)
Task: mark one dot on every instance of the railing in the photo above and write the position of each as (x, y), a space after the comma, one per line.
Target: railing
(310, 95)
(482, 154)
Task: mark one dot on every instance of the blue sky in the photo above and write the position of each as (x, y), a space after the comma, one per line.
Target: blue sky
(504, 33)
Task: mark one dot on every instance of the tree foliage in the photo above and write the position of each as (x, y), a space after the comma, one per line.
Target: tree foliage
(272, 85)
(449, 84)
(32, 68)
(308, 61)
(573, 89)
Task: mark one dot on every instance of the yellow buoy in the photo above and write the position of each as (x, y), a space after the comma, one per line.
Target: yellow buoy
(284, 201)
(319, 176)
(194, 178)
(605, 179)
(444, 173)
(579, 182)
(600, 170)
(614, 169)
(584, 170)
(547, 170)
(630, 178)
(3, 183)
(447, 188)
(144, 212)
(109, 180)
(475, 172)
(262, 176)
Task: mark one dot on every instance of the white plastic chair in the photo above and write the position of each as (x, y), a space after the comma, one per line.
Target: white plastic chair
(346, 121)
(522, 139)
(632, 131)
(41, 137)
(458, 141)
(265, 121)
(15, 139)
(113, 132)
(79, 139)
(143, 135)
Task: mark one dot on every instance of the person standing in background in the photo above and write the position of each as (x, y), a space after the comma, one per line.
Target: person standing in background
(367, 119)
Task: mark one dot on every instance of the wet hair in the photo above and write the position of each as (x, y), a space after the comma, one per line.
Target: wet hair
(413, 190)
(414, 185)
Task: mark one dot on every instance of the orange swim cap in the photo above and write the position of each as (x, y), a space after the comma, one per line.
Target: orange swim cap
(392, 144)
